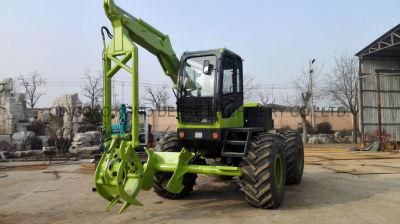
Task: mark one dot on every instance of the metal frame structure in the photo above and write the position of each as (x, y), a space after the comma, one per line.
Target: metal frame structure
(388, 40)
(379, 71)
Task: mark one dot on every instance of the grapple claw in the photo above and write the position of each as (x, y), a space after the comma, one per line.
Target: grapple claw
(112, 203)
(124, 207)
(118, 176)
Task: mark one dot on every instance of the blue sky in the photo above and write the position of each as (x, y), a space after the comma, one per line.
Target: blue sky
(61, 39)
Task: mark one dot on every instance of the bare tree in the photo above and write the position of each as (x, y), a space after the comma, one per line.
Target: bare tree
(93, 89)
(63, 115)
(157, 97)
(58, 132)
(306, 87)
(249, 88)
(31, 84)
(264, 96)
(302, 100)
(254, 92)
(342, 86)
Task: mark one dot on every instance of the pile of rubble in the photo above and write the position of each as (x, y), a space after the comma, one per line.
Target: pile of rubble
(14, 120)
(12, 107)
(85, 143)
(337, 137)
(21, 137)
(86, 139)
(17, 145)
(24, 140)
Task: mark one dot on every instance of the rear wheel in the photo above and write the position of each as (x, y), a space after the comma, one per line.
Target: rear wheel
(264, 171)
(294, 157)
(170, 143)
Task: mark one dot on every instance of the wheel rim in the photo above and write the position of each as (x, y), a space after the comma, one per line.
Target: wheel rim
(278, 172)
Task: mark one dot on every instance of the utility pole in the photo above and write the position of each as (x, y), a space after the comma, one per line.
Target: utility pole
(123, 94)
(114, 95)
(311, 72)
(272, 90)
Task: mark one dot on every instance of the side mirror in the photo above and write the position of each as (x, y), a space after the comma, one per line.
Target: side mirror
(207, 67)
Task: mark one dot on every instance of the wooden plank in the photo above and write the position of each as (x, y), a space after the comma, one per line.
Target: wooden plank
(359, 156)
(361, 170)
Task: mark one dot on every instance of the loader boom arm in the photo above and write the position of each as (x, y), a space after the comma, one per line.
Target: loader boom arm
(146, 36)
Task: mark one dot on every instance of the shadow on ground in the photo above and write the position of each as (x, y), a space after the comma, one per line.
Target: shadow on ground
(213, 197)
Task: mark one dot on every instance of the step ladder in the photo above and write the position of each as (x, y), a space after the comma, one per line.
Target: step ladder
(235, 142)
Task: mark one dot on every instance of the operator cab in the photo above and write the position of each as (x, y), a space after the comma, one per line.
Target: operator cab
(209, 82)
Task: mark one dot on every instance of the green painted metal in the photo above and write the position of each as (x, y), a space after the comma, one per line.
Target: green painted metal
(145, 35)
(251, 104)
(120, 174)
(179, 164)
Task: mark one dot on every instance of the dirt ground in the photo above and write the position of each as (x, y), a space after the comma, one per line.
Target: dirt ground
(62, 193)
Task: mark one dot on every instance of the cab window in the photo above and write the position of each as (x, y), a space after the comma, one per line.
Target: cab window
(230, 76)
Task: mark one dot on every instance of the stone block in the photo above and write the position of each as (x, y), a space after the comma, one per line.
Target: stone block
(21, 127)
(44, 139)
(313, 140)
(5, 138)
(20, 136)
(86, 139)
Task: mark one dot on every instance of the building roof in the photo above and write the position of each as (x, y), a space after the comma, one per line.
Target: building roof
(387, 45)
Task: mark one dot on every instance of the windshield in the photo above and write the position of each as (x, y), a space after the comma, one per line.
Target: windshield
(194, 82)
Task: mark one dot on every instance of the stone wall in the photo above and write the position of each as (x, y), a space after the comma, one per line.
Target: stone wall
(12, 107)
(69, 105)
(339, 120)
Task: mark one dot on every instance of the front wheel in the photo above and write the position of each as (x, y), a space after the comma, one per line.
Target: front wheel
(264, 171)
(171, 143)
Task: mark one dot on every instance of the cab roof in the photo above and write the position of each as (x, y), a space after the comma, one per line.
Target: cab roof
(211, 51)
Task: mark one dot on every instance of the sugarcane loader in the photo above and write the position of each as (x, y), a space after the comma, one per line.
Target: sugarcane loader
(212, 122)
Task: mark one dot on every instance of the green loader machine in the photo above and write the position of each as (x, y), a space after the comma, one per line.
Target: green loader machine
(213, 124)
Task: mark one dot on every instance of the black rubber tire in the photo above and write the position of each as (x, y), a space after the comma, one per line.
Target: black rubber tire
(294, 157)
(225, 177)
(170, 143)
(259, 179)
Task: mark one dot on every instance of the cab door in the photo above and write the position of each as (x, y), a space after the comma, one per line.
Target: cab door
(231, 85)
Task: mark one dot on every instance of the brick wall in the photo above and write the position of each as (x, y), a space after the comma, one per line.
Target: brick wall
(166, 121)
